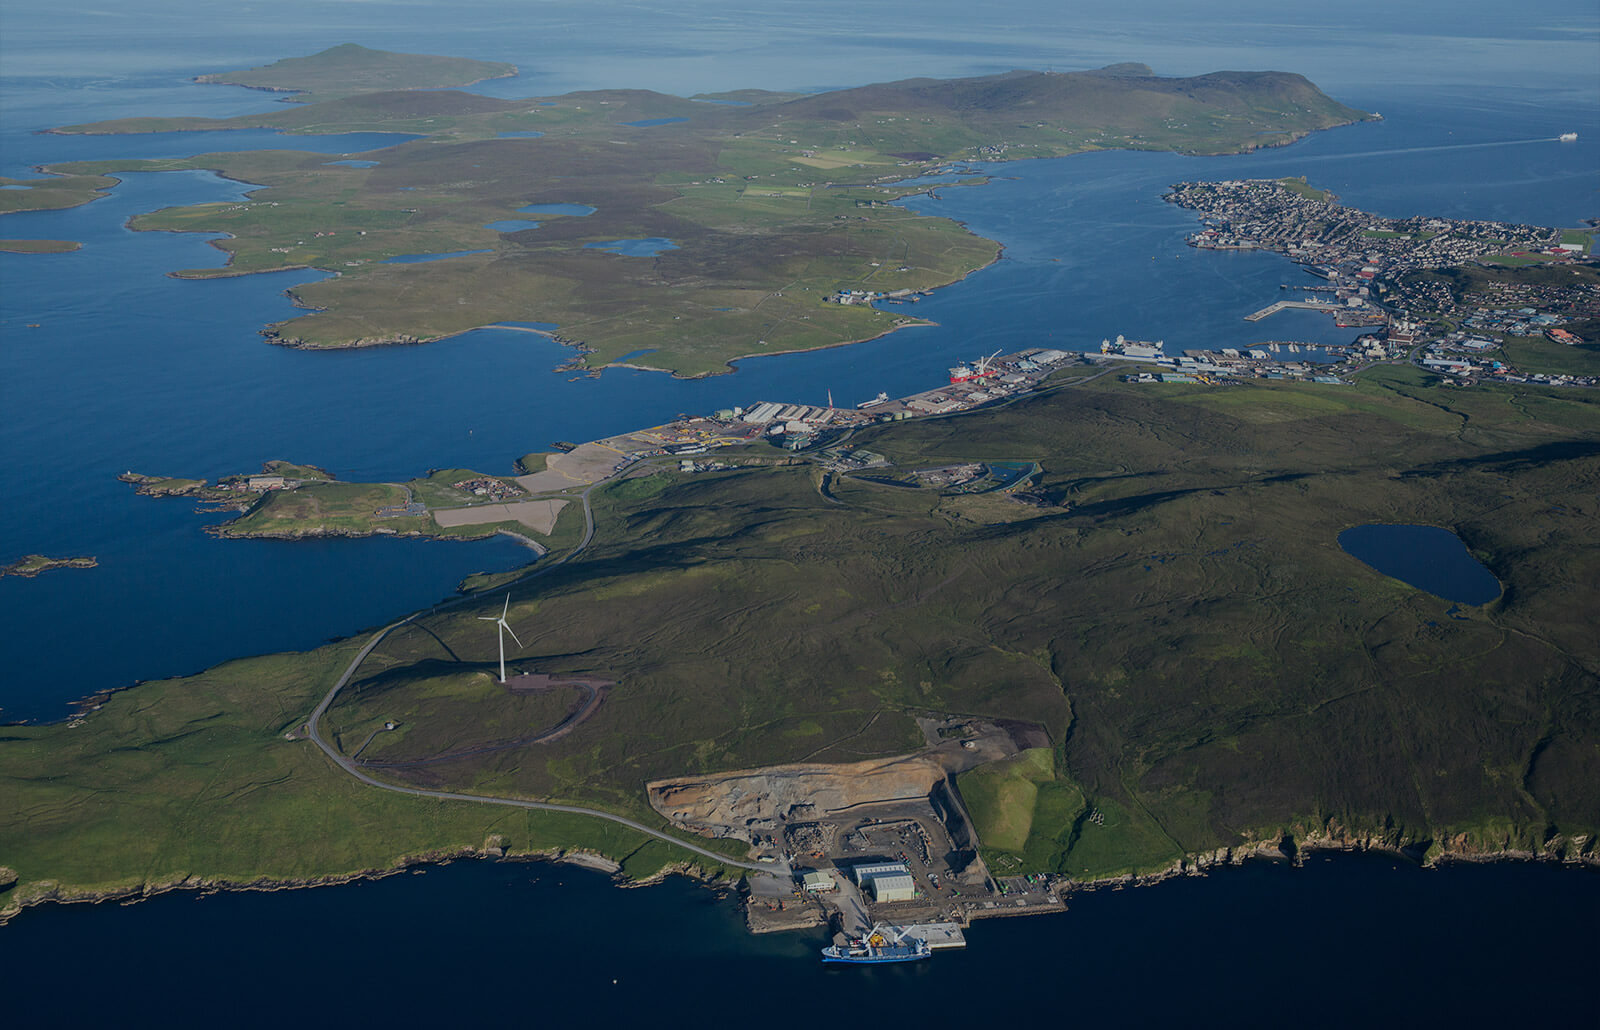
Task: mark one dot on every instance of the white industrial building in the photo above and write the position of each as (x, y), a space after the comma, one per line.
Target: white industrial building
(818, 881)
(888, 881)
(893, 888)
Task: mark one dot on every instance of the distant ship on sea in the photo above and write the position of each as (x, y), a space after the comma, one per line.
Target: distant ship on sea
(1568, 137)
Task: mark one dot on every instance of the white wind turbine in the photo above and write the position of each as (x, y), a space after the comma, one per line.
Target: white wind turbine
(504, 628)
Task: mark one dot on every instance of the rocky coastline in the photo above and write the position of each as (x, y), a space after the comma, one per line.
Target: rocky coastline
(1575, 852)
(1579, 851)
(13, 900)
(31, 565)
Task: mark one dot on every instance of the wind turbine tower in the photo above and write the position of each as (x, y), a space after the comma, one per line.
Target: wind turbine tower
(503, 628)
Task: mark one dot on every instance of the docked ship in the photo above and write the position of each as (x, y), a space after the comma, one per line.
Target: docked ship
(965, 373)
(880, 944)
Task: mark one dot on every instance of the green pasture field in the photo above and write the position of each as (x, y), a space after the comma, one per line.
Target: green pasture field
(1297, 184)
(324, 508)
(1542, 354)
(290, 470)
(215, 792)
(52, 193)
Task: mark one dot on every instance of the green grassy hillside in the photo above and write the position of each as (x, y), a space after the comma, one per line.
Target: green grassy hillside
(1210, 666)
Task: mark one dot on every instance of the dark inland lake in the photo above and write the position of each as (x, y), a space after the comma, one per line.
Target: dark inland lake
(1426, 557)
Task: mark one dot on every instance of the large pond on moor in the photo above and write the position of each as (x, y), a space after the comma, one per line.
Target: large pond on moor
(1426, 557)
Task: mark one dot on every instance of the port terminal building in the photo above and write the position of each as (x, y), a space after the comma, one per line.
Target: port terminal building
(887, 881)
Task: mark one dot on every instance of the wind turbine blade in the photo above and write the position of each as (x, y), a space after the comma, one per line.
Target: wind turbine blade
(504, 611)
(511, 631)
(487, 618)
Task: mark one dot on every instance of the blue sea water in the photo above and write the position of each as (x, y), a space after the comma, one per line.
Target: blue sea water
(647, 123)
(130, 369)
(1467, 945)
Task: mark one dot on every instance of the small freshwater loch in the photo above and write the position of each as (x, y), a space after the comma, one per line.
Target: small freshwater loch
(109, 365)
(1426, 557)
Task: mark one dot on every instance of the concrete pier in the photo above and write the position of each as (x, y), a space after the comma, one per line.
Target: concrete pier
(1304, 305)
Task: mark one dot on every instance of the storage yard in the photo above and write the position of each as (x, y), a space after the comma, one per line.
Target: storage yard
(885, 841)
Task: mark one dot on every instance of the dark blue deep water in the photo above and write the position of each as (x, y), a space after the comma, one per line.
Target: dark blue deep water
(1427, 557)
(130, 369)
(520, 944)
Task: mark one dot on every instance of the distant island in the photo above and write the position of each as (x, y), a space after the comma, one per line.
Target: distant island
(33, 564)
(668, 232)
(351, 69)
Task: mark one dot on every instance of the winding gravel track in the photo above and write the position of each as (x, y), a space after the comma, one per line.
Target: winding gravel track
(314, 729)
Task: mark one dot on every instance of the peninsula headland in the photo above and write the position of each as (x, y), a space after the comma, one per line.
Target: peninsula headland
(671, 232)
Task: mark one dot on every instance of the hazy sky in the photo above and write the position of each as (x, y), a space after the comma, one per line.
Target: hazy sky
(692, 45)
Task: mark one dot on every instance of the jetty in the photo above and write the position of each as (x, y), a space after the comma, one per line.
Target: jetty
(1304, 305)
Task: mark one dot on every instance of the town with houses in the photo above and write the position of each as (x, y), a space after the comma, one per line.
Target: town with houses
(1390, 274)
(1439, 295)
(1286, 216)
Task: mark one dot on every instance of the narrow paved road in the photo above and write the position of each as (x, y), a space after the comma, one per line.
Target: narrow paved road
(314, 729)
